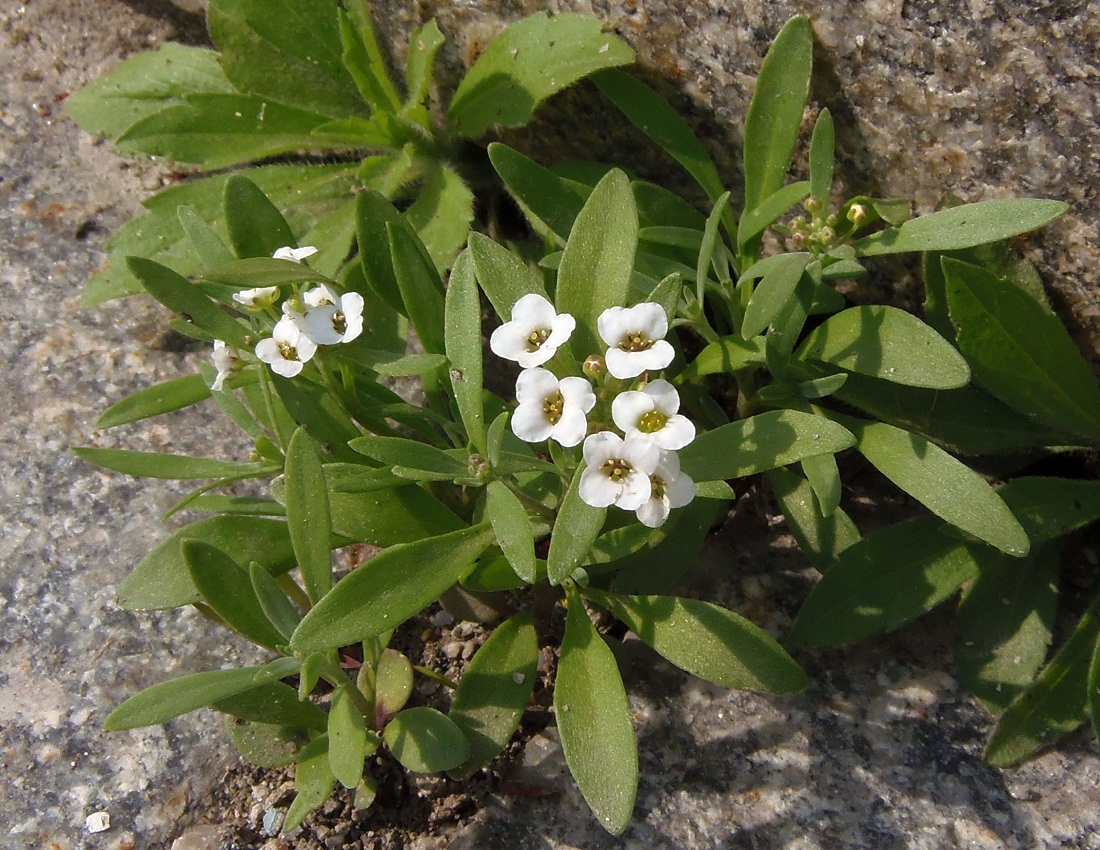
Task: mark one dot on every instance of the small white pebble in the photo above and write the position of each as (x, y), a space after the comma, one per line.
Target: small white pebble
(605, 48)
(442, 618)
(518, 678)
(98, 822)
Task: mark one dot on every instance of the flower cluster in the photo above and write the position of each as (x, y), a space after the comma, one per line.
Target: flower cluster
(319, 316)
(635, 468)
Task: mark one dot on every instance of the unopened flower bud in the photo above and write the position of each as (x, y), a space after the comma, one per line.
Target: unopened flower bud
(857, 214)
(811, 205)
(831, 219)
(594, 366)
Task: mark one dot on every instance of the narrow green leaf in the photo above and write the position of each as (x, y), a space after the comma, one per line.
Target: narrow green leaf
(944, 485)
(265, 43)
(363, 58)
(277, 608)
(256, 226)
(773, 294)
(888, 343)
(161, 578)
(767, 212)
(824, 477)
(424, 43)
(886, 580)
(576, 527)
(652, 114)
(419, 285)
(962, 227)
(208, 245)
(307, 514)
(761, 442)
(157, 465)
(462, 327)
(491, 695)
(707, 246)
(385, 517)
(775, 113)
(347, 739)
(165, 397)
(170, 699)
(1049, 508)
(1021, 352)
(273, 702)
(597, 733)
(374, 213)
(1055, 705)
(226, 587)
(314, 780)
(707, 641)
(512, 528)
(179, 295)
(398, 451)
(504, 276)
(241, 505)
(551, 203)
(820, 538)
(441, 215)
(725, 356)
(426, 741)
(315, 408)
(263, 271)
(390, 588)
(527, 63)
(822, 145)
(1004, 623)
(264, 744)
(598, 260)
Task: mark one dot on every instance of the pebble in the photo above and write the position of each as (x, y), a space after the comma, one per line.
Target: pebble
(97, 822)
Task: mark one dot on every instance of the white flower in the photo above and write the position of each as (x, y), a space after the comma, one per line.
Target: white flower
(551, 408)
(652, 412)
(331, 318)
(618, 470)
(295, 255)
(260, 297)
(635, 339)
(534, 333)
(669, 488)
(287, 348)
(224, 361)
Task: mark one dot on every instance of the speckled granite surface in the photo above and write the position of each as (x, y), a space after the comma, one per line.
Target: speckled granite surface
(986, 98)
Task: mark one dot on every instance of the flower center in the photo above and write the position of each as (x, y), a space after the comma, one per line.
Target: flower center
(652, 422)
(339, 323)
(552, 408)
(616, 469)
(657, 486)
(636, 341)
(537, 338)
(288, 351)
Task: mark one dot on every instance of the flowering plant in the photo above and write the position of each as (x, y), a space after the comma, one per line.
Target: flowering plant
(659, 356)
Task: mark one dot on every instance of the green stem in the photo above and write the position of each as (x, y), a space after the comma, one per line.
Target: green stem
(435, 677)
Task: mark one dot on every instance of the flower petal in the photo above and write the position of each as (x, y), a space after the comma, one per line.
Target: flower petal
(677, 433)
(571, 428)
(601, 447)
(629, 407)
(613, 324)
(596, 489)
(636, 491)
(577, 391)
(534, 385)
(530, 424)
(664, 395)
(654, 512)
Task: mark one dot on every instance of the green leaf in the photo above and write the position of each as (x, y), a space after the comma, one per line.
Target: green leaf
(886, 580)
(273, 702)
(374, 214)
(491, 695)
(822, 145)
(157, 465)
(441, 216)
(277, 608)
(651, 114)
(170, 699)
(410, 454)
(824, 477)
(575, 529)
(363, 58)
(393, 682)
(512, 528)
(307, 514)
(144, 85)
(888, 343)
(725, 356)
(161, 578)
(820, 538)
(659, 567)
(264, 744)
(462, 330)
(179, 295)
(707, 641)
(314, 780)
(419, 285)
(316, 409)
(1049, 508)
(426, 741)
(347, 736)
(256, 227)
(165, 397)
(226, 587)
(218, 130)
(263, 271)
(1021, 352)
(708, 245)
(775, 113)
(759, 218)
(527, 63)
(390, 588)
(598, 261)
(1004, 623)
(773, 294)
(962, 227)
(1094, 690)
(385, 517)
(1055, 705)
(424, 43)
(761, 442)
(208, 245)
(265, 43)
(597, 733)
(944, 485)
(551, 203)
(504, 276)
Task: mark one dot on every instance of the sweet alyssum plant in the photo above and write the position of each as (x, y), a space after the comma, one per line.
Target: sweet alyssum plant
(595, 481)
